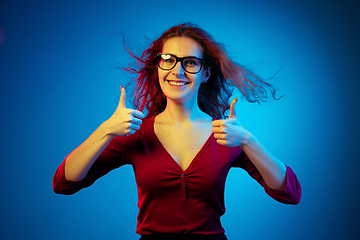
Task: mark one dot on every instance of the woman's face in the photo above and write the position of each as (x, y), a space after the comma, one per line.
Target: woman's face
(177, 84)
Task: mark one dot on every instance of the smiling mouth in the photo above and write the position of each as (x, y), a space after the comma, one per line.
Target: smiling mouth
(177, 83)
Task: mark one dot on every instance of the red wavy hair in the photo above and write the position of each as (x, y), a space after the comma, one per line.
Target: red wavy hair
(214, 95)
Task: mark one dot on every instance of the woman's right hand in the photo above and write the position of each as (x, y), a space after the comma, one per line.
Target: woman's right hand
(124, 121)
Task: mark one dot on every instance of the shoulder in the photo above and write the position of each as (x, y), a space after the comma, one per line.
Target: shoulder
(147, 125)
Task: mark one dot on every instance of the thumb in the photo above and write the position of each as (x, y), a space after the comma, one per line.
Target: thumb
(122, 103)
(232, 108)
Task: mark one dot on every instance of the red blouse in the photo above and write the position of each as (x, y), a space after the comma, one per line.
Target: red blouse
(170, 200)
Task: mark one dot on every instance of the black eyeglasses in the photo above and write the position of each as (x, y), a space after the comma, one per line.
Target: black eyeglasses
(189, 64)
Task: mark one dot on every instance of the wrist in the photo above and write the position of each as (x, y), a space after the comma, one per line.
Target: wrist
(248, 139)
(105, 130)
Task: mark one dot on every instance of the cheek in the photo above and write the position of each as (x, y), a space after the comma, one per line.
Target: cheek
(162, 75)
(199, 78)
(161, 78)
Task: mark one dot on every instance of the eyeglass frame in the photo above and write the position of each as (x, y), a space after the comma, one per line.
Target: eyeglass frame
(178, 59)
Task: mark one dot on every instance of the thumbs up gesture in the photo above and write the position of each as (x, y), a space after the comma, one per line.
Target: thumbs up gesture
(124, 121)
(229, 132)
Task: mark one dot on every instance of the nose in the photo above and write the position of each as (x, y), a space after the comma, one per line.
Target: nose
(178, 69)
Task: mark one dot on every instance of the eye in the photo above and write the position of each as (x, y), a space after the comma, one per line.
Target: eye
(192, 62)
(170, 60)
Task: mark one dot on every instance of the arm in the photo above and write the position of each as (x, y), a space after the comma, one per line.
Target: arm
(78, 163)
(291, 194)
(122, 123)
(229, 132)
(271, 169)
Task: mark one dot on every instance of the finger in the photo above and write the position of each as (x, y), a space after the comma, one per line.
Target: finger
(137, 114)
(122, 102)
(220, 136)
(222, 142)
(218, 123)
(136, 121)
(131, 131)
(218, 130)
(232, 108)
(135, 127)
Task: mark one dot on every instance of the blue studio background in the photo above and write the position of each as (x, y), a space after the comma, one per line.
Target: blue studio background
(60, 80)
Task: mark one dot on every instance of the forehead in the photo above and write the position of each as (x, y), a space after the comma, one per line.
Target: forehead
(182, 47)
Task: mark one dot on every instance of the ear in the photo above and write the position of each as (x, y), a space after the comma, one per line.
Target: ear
(207, 74)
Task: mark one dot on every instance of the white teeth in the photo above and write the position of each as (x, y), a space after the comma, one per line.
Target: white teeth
(176, 83)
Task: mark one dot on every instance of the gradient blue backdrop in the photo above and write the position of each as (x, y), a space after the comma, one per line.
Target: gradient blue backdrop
(60, 81)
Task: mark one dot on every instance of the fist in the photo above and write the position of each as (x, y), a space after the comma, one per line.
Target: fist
(229, 132)
(124, 121)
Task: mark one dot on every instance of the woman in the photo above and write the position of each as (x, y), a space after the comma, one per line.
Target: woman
(183, 149)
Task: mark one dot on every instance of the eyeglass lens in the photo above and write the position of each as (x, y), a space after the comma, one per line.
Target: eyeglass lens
(190, 64)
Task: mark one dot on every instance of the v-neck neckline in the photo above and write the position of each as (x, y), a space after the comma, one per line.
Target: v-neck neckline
(193, 161)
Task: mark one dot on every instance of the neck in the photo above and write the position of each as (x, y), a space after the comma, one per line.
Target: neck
(177, 112)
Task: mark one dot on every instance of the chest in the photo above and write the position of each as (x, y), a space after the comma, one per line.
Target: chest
(183, 143)
(159, 176)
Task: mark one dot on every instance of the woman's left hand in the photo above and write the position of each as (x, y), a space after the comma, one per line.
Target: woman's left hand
(229, 132)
